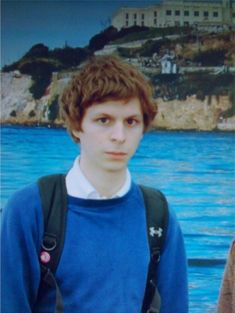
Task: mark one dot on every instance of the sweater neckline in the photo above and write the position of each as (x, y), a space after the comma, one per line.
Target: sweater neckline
(100, 202)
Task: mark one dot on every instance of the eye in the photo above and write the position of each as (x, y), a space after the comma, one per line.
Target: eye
(103, 120)
(131, 122)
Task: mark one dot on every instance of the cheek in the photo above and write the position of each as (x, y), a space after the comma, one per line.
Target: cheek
(94, 138)
(135, 140)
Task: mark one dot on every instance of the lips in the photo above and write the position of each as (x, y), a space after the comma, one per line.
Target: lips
(116, 153)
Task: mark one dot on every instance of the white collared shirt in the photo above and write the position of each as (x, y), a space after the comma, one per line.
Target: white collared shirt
(79, 186)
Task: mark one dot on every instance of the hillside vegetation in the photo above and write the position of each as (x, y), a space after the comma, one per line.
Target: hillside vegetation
(190, 47)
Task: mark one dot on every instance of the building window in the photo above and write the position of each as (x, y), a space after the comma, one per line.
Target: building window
(155, 21)
(215, 14)
(168, 12)
(135, 16)
(155, 13)
(186, 24)
(186, 13)
(177, 12)
(233, 14)
(126, 23)
(206, 13)
(196, 13)
(142, 23)
(127, 15)
(142, 16)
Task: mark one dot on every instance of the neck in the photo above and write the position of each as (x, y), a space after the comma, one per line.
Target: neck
(106, 182)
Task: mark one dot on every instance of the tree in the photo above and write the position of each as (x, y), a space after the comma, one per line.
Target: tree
(38, 51)
(98, 41)
(68, 56)
(41, 74)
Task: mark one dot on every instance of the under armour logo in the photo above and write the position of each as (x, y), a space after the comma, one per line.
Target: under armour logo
(153, 231)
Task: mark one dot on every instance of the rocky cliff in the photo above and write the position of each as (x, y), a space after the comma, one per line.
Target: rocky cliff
(19, 107)
(194, 114)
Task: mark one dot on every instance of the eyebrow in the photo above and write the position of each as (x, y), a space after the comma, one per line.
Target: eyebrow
(111, 116)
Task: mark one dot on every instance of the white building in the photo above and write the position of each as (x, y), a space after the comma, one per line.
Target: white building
(203, 14)
(168, 65)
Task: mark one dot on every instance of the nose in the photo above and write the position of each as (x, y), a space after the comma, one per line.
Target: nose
(118, 133)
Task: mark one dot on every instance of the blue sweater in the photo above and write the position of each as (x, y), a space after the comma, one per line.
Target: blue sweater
(104, 262)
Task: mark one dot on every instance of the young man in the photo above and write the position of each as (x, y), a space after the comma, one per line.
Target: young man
(104, 264)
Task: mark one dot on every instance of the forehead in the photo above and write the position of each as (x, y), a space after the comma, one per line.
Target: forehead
(117, 107)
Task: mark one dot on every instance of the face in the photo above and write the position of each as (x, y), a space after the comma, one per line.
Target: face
(111, 132)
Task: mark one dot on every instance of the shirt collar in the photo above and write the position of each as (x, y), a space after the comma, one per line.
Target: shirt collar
(79, 186)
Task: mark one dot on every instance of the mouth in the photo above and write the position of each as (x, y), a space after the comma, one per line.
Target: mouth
(116, 154)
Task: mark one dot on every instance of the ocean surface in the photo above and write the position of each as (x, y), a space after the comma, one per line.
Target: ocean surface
(196, 171)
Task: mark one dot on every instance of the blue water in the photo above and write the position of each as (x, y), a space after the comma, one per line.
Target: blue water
(195, 170)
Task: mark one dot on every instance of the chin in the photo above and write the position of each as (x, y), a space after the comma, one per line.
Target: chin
(115, 166)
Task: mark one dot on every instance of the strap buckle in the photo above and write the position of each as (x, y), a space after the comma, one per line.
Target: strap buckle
(49, 242)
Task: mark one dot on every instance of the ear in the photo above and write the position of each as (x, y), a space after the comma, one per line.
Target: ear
(76, 134)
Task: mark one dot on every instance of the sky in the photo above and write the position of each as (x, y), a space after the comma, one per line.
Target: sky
(54, 23)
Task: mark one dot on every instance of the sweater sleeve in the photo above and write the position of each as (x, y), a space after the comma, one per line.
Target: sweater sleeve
(172, 271)
(20, 235)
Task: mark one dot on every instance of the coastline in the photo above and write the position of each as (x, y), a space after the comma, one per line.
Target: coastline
(18, 107)
(152, 128)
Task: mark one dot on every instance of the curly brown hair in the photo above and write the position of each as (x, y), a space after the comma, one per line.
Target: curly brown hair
(101, 79)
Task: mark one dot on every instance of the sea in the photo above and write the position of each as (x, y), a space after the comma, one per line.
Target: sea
(195, 170)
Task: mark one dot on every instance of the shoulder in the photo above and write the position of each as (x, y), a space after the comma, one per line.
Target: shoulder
(26, 191)
(174, 229)
(25, 197)
(174, 241)
(152, 194)
(24, 207)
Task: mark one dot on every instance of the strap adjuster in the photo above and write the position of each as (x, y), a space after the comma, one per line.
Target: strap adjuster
(49, 242)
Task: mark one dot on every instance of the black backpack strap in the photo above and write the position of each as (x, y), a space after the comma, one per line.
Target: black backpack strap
(157, 215)
(53, 195)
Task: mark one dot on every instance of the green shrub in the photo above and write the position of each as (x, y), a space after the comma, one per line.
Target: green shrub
(69, 57)
(41, 75)
(13, 113)
(210, 57)
(53, 109)
(152, 46)
(32, 113)
(12, 67)
(98, 41)
(128, 34)
(201, 85)
(125, 52)
(37, 51)
(231, 111)
(146, 50)
(143, 32)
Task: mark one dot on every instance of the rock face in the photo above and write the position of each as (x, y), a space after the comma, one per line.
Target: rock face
(17, 102)
(192, 113)
(19, 107)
